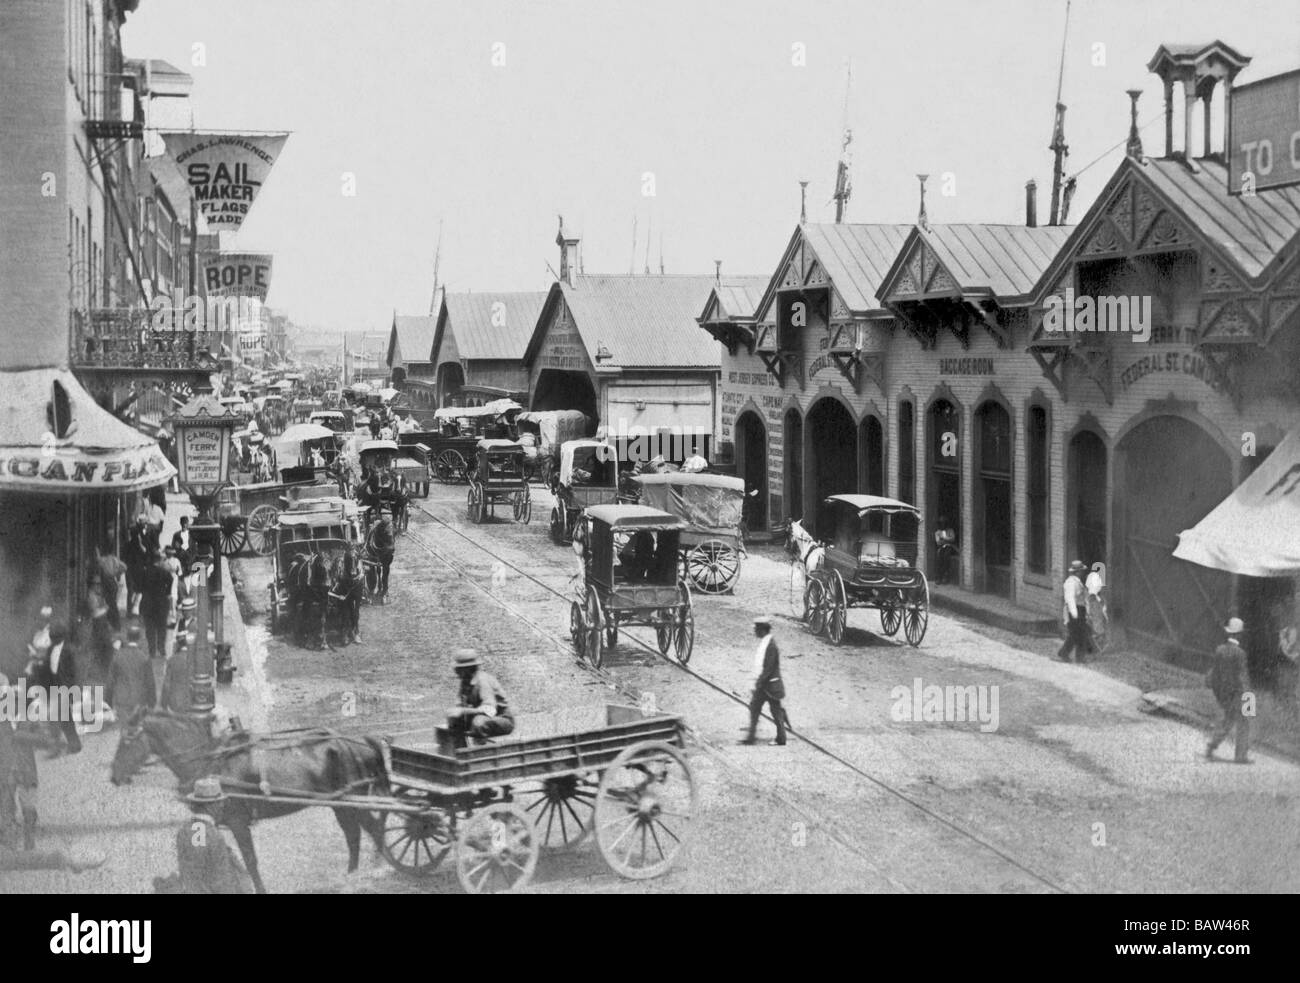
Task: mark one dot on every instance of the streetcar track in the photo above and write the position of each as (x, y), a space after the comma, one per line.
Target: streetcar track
(565, 645)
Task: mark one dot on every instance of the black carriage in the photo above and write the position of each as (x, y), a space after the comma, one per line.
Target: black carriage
(712, 506)
(498, 477)
(631, 576)
(308, 539)
(865, 557)
(588, 476)
(382, 484)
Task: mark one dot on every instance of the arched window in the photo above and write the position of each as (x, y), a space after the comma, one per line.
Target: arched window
(1038, 464)
(906, 491)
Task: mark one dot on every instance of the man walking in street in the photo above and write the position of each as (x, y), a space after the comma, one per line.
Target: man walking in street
(1074, 615)
(768, 687)
(1229, 680)
(484, 708)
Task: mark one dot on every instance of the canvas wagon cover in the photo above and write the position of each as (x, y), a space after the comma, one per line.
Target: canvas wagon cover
(708, 503)
(556, 427)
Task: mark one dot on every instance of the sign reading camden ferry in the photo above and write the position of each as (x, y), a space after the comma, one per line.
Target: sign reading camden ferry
(1264, 134)
(203, 426)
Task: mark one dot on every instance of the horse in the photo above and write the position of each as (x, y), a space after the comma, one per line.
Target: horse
(347, 587)
(308, 584)
(316, 764)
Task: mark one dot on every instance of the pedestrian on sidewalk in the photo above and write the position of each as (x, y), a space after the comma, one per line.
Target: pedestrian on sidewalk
(945, 549)
(131, 682)
(138, 547)
(18, 778)
(155, 604)
(108, 569)
(62, 673)
(768, 687)
(1074, 615)
(1229, 680)
(205, 860)
(184, 540)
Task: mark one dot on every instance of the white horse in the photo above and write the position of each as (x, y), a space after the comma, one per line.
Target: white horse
(800, 543)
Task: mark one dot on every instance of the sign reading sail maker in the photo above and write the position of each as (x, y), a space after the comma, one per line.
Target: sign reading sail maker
(225, 171)
(1264, 134)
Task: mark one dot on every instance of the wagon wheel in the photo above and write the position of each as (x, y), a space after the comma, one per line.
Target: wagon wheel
(261, 529)
(592, 644)
(557, 525)
(474, 503)
(497, 850)
(891, 616)
(713, 566)
(798, 589)
(916, 612)
(415, 842)
(684, 628)
(664, 636)
(232, 536)
(815, 603)
(449, 467)
(838, 608)
(562, 809)
(643, 810)
(575, 625)
(518, 502)
(528, 505)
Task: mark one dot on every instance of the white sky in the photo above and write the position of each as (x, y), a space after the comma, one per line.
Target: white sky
(703, 93)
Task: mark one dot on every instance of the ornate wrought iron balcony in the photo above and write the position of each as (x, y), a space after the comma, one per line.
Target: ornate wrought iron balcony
(117, 339)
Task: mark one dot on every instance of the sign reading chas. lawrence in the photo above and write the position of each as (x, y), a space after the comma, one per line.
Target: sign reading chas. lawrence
(1264, 134)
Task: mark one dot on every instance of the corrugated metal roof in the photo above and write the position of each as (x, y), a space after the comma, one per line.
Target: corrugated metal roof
(1006, 260)
(414, 336)
(485, 330)
(856, 256)
(739, 296)
(643, 320)
(1251, 230)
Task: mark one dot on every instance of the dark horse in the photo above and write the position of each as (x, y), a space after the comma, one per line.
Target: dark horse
(347, 588)
(314, 764)
(307, 582)
(382, 489)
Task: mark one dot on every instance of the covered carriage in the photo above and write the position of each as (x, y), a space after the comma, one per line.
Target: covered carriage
(712, 507)
(459, 429)
(550, 430)
(588, 475)
(862, 555)
(382, 485)
(307, 540)
(498, 477)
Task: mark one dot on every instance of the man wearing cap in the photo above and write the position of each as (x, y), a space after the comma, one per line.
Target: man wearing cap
(768, 687)
(1229, 680)
(131, 682)
(484, 709)
(206, 862)
(1074, 615)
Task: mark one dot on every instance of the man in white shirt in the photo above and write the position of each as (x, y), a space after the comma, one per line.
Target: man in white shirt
(1074, 615)
(767, 685)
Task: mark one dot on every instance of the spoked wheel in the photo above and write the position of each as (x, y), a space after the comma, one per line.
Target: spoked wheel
(891, 617)
(561, 811)
(522, 506)
(643, 810)
(497, 850)
(415, 843)
(798, 589)
(815, 603)
(684, 628)
(232, 537)
(557, 525)
(664, 636)
(593, 647)
(839, 605)
(916, 612)
(474, 503)
(575, 620)
(449, 467)
(713, 566)
(261, 529)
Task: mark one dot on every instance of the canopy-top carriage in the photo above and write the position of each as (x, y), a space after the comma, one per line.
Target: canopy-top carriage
(498, 477)
(712, 506)
(588, 476)
(453, 444)
(631, 576)
(382, 485)
(307, 540)
(865, 557)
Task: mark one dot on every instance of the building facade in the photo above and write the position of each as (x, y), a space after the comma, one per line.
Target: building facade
(478, 346)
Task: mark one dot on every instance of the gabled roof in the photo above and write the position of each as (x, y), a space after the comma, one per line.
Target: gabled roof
(735, 298)
(640, 320)
(1000, 261)
(491, 325)
(856, 257)
(413, 336)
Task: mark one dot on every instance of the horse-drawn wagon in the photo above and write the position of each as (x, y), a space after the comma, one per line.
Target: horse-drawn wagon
(588, 476)
(498, 477)
(382, 485)
(631, 576)
(246, 514)
(711, 505)
(312, 541)
(550, 430)
(864, 557)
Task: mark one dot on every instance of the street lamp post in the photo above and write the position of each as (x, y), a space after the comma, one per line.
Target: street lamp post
(203, 427)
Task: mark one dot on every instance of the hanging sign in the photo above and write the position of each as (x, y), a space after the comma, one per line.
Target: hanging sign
(225, 171)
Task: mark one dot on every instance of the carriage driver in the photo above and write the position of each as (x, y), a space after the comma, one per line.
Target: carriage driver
(484, 709)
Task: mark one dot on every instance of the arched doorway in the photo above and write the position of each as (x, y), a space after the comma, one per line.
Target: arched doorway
(871, 436)
(833, 457)
(994, 529)
(1085, 499)
(793, 464)
(557, 389)
(451, 379)
(751, 465)
(943, 476)
(1169, 473)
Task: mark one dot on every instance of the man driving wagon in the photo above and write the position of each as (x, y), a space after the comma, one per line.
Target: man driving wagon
(484, 709)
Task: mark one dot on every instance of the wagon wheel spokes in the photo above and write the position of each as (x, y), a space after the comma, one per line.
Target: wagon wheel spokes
(815, 603)
(561, 811)
(713, 567)
(644, 806)
(593, 644)
(891, 616)
(497, 850)
(916, 613)
(557, 525)
(838, 613)
(232, 537)
(684, 628)
(449, 467)
(261, 529)
(415, 843)
(664, 636)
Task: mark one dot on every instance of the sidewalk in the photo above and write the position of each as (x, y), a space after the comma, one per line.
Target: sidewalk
(992, 610)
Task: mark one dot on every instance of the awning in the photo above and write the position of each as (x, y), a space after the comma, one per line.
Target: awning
(99, 453)
(1255, 531)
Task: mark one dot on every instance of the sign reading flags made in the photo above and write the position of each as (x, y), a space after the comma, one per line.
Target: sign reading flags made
(237, 275)
(225, 171)
(1264, 134)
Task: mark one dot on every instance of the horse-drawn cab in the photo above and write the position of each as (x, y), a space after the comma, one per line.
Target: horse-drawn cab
(498, 477)
(382, 485)
(712, 506)
(317, 544)
(866, 559)
(332, 419)
(588, 476)
(631, 576)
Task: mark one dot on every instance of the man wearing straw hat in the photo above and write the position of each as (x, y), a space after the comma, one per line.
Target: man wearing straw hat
(1074, 615)
(206, 862)
(1229, 680)
(484, 708)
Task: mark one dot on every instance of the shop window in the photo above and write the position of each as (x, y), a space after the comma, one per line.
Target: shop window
(906, 452)
(1037, 446)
